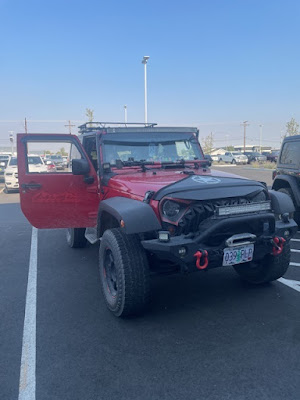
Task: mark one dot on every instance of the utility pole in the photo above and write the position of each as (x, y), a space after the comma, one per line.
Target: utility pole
(26, 126)
(245, 124)
(226, 138)
(260, 136)
(70, 127)
(125, 113)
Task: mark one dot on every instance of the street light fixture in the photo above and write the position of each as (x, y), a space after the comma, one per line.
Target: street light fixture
(144, 61)
(11, 139)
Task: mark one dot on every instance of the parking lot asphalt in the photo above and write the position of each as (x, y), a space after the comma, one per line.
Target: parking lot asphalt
(206, 335)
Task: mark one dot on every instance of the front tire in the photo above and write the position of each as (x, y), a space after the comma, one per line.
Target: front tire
(266, 270)
(233, 161)
(76, 237)
(124, 273)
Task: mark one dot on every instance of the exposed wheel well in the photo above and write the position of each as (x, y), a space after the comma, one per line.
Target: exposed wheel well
(280, 184)
(106, 221)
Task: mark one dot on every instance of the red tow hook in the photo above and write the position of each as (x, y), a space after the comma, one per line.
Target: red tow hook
(199, 255)
(279, 243)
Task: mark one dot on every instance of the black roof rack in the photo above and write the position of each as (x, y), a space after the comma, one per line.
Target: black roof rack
(91, 126)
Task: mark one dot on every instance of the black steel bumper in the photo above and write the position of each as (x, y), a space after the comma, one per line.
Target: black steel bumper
(181, 249)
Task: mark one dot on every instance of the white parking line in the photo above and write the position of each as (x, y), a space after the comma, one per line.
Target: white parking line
(292, 284)
(293, 264)
(27, 384)
(1, 190)
(295, 240)
(295, 251)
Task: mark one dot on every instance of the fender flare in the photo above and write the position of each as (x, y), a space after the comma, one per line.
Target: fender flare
(138, 216)
(292, 183)
(281, 203)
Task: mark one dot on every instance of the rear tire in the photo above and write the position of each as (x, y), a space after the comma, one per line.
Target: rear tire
(124, 273)
(76, 238)
(266, 270)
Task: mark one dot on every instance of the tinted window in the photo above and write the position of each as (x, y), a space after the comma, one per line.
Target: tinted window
(290, 154)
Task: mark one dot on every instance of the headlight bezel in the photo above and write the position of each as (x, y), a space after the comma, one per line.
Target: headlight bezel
(173, 219)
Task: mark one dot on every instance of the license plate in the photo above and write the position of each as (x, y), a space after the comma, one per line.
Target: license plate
(238, 255)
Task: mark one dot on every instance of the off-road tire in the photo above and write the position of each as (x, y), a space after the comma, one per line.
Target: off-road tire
(131, 273)
(266, 270)
(76, 238)
(289, 192)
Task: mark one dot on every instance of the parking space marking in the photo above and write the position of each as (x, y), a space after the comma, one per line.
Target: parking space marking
(27, 385)
(293, 264)
(295, 251)
(1, 190)
(295, 240)
(292, 284)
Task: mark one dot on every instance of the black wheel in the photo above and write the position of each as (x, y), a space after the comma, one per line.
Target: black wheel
(289, 192)
(6, 190)
(76, 238)
(124, 273)
(268, 269)
(233, 161)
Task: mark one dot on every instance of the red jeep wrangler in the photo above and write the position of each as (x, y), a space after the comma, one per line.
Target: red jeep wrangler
(148, 195)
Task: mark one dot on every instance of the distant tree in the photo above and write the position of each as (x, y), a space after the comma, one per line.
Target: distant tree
(292, 127)
(47, 152)
(90, 114)
(62, 152)
(230, 148)
(208, 144)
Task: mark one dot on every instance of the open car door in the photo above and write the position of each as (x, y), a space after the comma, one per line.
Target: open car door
(52, 196)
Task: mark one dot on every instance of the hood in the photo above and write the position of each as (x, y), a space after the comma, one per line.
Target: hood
(178, 185)
(12, 168)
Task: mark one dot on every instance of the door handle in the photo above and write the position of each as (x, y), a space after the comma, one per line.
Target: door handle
(31, 186)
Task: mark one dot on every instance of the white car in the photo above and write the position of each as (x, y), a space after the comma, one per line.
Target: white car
(234, 157)
(11, 181)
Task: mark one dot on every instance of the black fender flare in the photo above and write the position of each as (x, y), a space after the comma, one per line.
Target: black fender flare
(138, 216)
(281, 203)
(288, 181)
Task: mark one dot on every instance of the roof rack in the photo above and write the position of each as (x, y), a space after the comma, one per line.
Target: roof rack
(91, 126)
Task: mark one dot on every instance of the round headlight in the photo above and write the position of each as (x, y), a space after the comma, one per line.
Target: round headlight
(170, 208)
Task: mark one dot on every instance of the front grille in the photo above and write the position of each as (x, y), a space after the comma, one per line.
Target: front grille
(198, 212)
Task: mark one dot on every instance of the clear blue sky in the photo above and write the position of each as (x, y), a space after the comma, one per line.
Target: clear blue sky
(213, 63)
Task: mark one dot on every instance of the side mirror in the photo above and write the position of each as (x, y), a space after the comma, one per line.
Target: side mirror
(80, 167)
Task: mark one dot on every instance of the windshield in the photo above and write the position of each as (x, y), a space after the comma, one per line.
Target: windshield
(13, 161)
(163, 151)
(34, 160)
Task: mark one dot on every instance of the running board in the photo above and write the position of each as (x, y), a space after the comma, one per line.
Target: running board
(91, 235)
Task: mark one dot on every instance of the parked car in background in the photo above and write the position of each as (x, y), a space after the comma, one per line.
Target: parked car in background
(272, 156)
(65, 161)
(57, 160)
(3, 162)
(287, 174)
(255, 156)
(234, 157)
(11, 179)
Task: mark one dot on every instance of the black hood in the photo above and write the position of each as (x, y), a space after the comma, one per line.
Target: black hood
(199, 187)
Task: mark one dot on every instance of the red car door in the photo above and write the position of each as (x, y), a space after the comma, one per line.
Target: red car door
(56, 199)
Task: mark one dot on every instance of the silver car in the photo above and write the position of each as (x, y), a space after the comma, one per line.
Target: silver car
(234, 157)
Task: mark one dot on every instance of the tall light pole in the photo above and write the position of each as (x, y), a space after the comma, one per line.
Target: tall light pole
(260, 136)
(125, 113)
(11, 139)
(144, 61)
(245, 124)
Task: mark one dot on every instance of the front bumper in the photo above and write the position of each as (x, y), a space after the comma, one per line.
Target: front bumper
(263, 244)
(11, 182)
